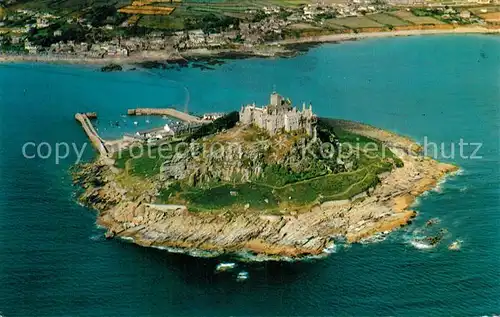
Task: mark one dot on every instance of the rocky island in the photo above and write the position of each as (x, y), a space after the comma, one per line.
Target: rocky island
(267, 182)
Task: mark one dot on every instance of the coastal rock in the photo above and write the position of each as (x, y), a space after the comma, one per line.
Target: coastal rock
(301, 233)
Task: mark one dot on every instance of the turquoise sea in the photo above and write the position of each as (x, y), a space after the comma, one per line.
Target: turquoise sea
(54, 261)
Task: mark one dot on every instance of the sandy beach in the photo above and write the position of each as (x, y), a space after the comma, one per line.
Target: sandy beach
(359, 36)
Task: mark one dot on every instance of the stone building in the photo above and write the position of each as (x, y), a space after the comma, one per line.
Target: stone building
(279, 116)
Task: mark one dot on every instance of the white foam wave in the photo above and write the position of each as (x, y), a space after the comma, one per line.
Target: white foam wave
(97, 237)
(128, 239)
(421, 245)
(195, 253)
(376, 238)
(460, 172)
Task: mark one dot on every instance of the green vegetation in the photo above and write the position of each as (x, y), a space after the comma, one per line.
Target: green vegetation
(279, 187)
(357, 22)
(147, 165)
(221, 124)
(6, 45)
(414, 19)
(387, 19)
(264, 197)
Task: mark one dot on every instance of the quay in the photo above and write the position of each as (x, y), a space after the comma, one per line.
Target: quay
(170, 112)
(89, 129)
(106, 148)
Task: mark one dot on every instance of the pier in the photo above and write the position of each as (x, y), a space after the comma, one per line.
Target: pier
(170, 112)
(89, 129)
(107, 148)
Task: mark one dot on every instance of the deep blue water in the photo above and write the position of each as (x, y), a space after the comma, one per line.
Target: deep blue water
(54, 262)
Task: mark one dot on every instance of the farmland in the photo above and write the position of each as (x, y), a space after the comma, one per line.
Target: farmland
(387, 19)
(189, 10)
(147, 10)
(356, 22)
(419, 20)
(492, 17)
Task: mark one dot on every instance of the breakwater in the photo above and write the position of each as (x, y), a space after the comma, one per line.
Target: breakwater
(89, 129)
(170, 112)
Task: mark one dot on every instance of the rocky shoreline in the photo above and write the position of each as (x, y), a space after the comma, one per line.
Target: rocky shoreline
(296, 235)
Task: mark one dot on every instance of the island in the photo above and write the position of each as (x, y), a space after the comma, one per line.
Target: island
(269, 182)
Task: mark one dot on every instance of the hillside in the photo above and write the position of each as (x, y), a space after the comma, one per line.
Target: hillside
(243, 168)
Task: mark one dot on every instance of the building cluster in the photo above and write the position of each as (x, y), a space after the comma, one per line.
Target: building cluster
(270, 25)
(434, 3)
(193, 39)
(211, 116)
(155, 135)
(109, 48)
(35, 19)
(457, 15)
(269, 28)
(279, 116)
(317, 12)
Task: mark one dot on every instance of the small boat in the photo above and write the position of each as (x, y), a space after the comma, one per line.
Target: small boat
(454, 246)
(242, 276)
(136, 123)
(222, 267)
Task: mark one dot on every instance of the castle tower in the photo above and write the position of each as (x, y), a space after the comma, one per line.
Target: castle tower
(276, 99)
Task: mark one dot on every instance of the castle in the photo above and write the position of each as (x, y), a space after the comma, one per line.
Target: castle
(279, 116)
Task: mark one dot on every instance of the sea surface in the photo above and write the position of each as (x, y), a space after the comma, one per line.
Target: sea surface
(55, 262)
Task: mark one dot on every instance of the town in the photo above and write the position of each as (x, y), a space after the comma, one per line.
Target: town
(107, 31)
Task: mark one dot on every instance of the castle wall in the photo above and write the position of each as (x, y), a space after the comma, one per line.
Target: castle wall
(278, 116)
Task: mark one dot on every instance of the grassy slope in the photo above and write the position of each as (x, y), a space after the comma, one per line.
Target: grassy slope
(265, 194)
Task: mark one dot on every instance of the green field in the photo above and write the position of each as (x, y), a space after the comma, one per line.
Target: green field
(419, 20)
(355, 22)
(489, 9)
(387, 19)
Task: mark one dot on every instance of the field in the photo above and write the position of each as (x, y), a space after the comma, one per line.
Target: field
(139, 3)
(408, 16)
(192, 9)
(387, 19)
(66, 6)
(355, 22)
(488, 9)
(147, 10)
(492, 17)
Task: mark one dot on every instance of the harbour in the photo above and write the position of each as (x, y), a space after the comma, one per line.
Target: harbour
(106, 148)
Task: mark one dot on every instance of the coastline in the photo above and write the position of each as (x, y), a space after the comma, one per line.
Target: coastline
(381, 209)
(283, 48)
(410, 32)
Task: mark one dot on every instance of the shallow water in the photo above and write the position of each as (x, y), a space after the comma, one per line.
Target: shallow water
(53, 261)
